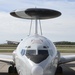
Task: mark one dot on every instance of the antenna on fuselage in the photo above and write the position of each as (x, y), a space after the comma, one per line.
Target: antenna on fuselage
(30, 28)
(36, 14)
(36, 27)
(40, 27)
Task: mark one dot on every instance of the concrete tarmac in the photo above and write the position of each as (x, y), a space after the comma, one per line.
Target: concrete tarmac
(68, 69)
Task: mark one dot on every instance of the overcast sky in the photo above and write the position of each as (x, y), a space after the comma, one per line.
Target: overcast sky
(58, 29)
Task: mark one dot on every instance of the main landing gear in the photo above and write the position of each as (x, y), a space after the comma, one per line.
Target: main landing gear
(12, 69)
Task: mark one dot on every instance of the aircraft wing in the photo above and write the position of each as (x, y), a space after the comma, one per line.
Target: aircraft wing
(66, 59)
(6, 58)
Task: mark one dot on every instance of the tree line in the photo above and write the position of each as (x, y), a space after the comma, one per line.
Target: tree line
(64, 43)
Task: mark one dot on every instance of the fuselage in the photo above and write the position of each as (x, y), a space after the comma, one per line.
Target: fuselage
(36, 55)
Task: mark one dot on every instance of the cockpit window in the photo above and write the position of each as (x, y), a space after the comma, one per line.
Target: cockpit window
(30, 52)
(22, 52)
(39, 57)
(42, 52)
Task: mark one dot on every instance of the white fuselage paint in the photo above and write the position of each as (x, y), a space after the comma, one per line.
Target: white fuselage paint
(25, 66)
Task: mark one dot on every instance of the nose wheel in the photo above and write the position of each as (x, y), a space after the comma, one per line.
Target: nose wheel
(12, 69)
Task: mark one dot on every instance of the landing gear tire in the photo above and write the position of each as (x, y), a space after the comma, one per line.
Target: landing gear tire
(59, 70)
(12, 69)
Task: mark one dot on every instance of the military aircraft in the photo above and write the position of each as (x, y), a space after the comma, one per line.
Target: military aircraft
(36, 55)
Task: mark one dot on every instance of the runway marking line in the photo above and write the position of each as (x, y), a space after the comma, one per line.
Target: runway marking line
(2, 66)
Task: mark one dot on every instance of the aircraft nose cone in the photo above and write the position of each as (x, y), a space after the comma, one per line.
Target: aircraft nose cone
(37, 70)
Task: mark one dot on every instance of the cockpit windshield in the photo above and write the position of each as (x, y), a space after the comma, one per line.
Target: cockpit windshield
(42, 52)
(37, 56)
(34, 52)
(30, 52)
